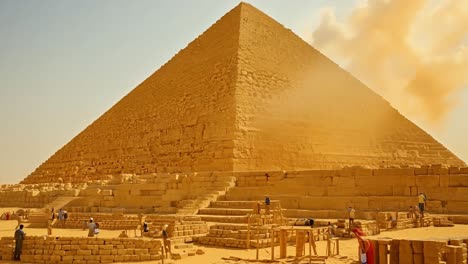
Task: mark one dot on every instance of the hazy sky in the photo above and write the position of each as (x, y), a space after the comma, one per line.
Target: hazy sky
(64, 63)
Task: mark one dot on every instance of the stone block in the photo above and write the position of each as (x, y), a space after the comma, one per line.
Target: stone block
(405, 252)
(458, 180)
(427, 181)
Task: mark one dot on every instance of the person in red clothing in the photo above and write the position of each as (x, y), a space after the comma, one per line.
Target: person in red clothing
(365, 246)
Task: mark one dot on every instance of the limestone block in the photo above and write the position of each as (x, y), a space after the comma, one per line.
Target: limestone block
(342, 191)
(394, 172)
(405, 252)
(427, 180)
(444, 180)
(401, 191)
(106, 192)
(375, 190)
(454, 170)
(395, 252)
(418, 258)
(316, 181)
(432, 251)
(458, 180)
(457, 207)
(421, 171)
(343, 181)
(417, 246)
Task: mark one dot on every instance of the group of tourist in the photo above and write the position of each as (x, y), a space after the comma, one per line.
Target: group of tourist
(61, 216)
(14, 215)
(258, 206)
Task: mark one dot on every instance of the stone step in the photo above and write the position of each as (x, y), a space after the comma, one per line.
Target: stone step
(233, 242)
(224, 211)
(224, 219)
(233, 204)
(240, 234)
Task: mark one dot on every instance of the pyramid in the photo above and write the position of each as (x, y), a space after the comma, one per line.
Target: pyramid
(246, 95)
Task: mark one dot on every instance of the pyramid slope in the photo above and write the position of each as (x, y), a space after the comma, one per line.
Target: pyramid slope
(247, 94)
(181, 118)
(297, 109)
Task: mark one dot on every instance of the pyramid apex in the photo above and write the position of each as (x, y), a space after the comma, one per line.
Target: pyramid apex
(242, 5)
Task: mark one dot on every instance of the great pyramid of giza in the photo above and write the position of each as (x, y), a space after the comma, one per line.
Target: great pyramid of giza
(247, 94)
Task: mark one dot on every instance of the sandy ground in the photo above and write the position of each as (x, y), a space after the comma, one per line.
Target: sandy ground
(348, 248)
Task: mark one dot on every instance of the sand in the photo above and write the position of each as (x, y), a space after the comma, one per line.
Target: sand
(348, 247)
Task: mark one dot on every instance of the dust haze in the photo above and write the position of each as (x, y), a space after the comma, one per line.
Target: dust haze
(414, 53)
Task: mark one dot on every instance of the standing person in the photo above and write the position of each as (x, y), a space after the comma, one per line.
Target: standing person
(351, 216)
(49, 227)
(411, 212)
(91, 227)
(19, 237)
(65, 217)
(166, 241)
(331, 230)
(366, 248)
(422, 203)
(60, 216)
(267, 205)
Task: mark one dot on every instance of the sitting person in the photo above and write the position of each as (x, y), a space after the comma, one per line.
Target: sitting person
(123, 234)
(331, 230)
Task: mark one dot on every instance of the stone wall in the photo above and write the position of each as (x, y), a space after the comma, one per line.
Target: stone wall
(106, 221)
(366, 189)
(35, 195)
(82, 250)
(450, 251)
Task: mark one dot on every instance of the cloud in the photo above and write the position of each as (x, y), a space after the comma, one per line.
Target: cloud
(414, 53)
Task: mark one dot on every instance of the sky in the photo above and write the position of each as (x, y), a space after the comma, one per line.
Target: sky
(64, 63)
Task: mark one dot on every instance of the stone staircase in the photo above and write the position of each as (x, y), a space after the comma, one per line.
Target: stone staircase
(203, 191)
(60, 202)
(181, 228)
(39, 217)
(236, 235)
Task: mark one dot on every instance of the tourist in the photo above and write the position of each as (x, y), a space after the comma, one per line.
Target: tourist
(91, 227)
(417, 213)
(411, 212)
(331, 230)
(123, 234)
(258, 209)
(52, 212)
(49, 227)
(19, 237)
(7, 216)
(366, 248)
(422, 203)
(166, 241)
(145, 227)
(351, 216)
(267, 205)
(60, 215)
(65, 217)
